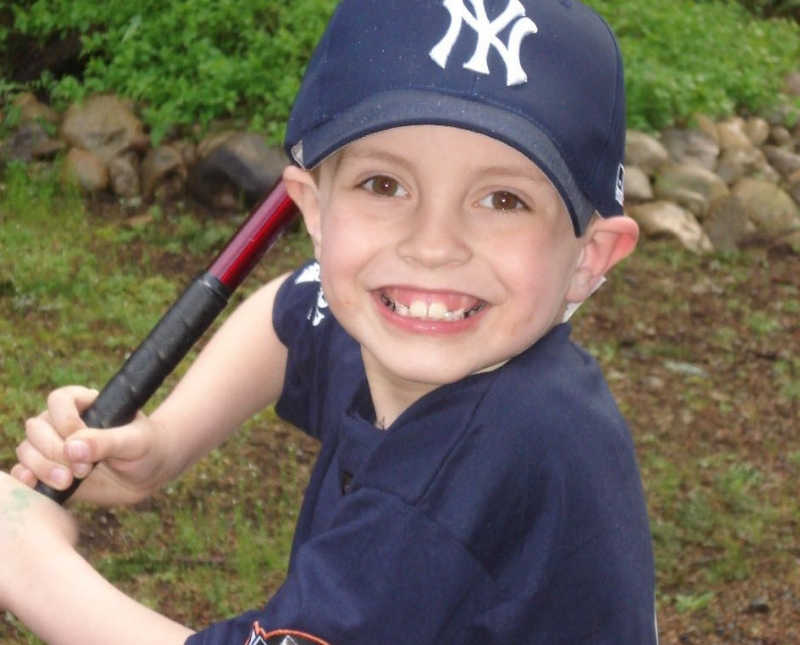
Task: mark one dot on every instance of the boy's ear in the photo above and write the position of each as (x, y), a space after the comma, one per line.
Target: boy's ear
(607, 241)
(302, 188)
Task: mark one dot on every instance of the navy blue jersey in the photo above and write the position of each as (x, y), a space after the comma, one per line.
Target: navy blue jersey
(504, 508)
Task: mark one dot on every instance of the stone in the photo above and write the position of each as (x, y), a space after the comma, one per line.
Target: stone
(706, 124)
(644, 151)
(732, 134)
(124, 175)
(235, 166)
(791, 85)
(793, 186)
(757, 130)
(689, 185)
(86, 170)
(30, 141)
(727, 224)
(740, 161)
(637, 185)
(104, 125)
(662, 218)
(32, 109)
(691, 146)
(769, 207)
(783, 160)
(780, 136)
(163, 173)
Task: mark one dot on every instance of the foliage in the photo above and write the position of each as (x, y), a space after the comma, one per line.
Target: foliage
(191, 61)
(788, 8)
(188, 61)
(684, 57)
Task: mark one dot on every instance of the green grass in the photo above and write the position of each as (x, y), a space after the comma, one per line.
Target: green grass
(77, 292)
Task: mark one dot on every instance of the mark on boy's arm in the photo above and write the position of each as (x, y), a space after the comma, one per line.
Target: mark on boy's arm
(13, 507)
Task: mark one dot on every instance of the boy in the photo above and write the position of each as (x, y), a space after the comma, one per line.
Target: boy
(459, 169)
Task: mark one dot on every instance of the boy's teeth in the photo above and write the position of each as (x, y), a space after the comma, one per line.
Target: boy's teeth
(433, 311)
(437, 311)
(418, 309)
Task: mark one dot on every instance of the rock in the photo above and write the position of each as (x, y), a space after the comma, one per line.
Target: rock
(780, 136)
(104, 125)
(86, 170)
(727, 224)
(757, 130)
(791, 85)
(644, 151)
(30, 141)
(783, 160)
(769, 207)
(740, 161)
(732, 134)
(706, 124)
(124, 175)
(691, 146)
(637, 185)
(31, 109)
(234, 166)
(665, 218)
(163, 173)
(690, 185)
(793, 186)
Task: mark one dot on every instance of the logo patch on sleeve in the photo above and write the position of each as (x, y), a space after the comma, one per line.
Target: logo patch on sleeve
(281, 637)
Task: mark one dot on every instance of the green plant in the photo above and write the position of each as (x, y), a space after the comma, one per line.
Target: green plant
(683, 57)
(185, 62)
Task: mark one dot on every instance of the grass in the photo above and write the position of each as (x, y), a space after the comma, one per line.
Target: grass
(711, 391)
(77, 292)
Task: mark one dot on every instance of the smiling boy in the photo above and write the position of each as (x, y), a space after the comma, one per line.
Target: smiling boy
(458, 165)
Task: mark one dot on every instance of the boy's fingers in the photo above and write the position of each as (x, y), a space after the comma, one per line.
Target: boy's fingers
(65, 405)
(41, 437)
(88, 446)
(23, 474)
(52, 473)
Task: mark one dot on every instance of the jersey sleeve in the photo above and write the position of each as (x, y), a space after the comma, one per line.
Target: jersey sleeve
(317, 348)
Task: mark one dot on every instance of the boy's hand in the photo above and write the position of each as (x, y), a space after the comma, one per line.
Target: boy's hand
(59, 447)
(32, 529)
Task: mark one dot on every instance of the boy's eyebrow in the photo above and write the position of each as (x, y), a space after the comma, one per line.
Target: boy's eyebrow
(367, 152)
(528, 171)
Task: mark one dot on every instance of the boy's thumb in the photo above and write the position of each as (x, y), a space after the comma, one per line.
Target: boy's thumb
(90, 445)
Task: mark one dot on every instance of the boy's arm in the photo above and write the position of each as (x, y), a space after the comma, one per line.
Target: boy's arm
(239, 371)
(54, 591)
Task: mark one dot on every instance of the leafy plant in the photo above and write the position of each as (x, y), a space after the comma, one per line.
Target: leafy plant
(683, 57)
(185, 62)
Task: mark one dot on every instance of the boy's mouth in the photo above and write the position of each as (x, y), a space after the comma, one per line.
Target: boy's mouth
(430, 306)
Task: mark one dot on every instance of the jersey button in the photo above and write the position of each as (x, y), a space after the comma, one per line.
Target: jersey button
(346, 481)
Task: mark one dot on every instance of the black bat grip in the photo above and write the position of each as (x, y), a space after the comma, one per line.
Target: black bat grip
(147, 367)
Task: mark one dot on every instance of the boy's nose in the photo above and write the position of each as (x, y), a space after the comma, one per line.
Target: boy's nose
(435, 237)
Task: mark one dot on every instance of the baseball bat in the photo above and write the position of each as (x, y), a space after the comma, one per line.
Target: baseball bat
(184, 322)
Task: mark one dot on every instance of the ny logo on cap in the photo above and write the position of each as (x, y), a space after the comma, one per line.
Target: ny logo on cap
(488, 36)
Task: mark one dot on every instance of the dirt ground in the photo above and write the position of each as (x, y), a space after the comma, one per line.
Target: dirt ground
(703, 354)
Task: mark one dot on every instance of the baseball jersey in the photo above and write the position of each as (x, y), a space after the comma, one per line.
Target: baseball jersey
(504, 508)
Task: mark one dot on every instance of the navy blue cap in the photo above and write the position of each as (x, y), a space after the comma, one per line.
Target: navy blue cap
(543, 76)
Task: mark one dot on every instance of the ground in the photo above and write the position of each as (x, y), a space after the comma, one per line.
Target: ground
(703, 354)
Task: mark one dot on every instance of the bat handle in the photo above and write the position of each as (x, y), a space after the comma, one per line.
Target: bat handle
(147, 367)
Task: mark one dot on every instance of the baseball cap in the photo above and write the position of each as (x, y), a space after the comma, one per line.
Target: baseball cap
(543, 76)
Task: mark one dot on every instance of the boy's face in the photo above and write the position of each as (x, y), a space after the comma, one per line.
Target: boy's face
(443, 252)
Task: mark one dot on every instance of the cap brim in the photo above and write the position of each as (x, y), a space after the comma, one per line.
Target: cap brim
(417, 107)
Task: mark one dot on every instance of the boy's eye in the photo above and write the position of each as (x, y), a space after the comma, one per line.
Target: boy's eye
(502, 200)
(385, 186)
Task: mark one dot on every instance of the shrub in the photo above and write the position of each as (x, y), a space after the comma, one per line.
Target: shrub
(683, 57)
(187, 61)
